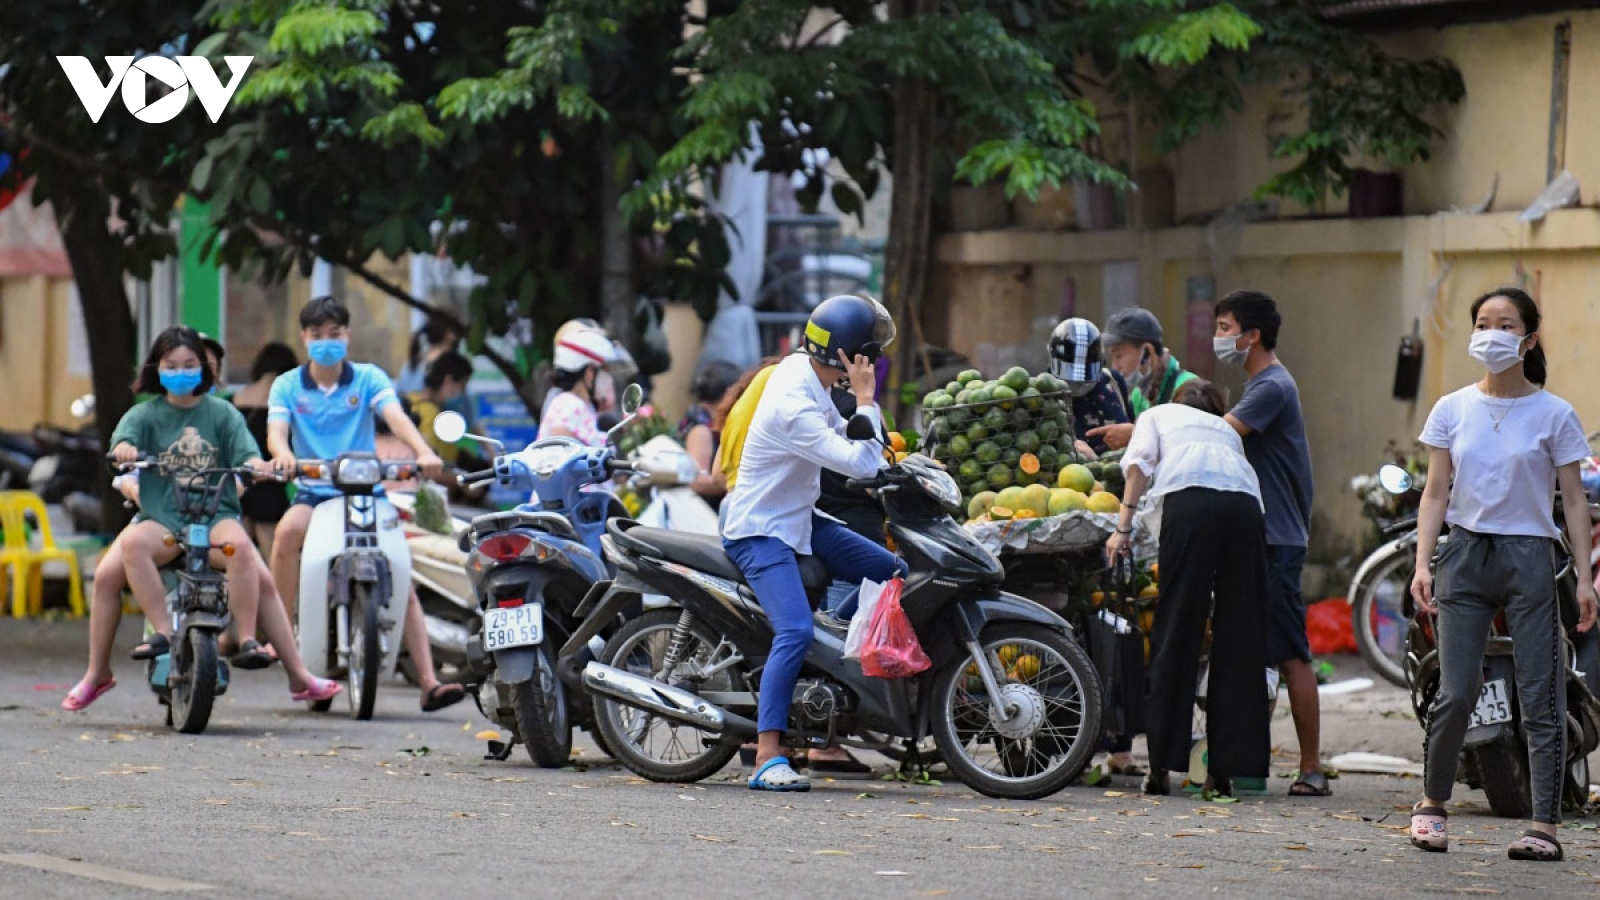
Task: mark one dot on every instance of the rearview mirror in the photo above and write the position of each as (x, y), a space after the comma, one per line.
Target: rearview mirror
(1394, 479)
(860, 429)
(449, 427)
(632, 399)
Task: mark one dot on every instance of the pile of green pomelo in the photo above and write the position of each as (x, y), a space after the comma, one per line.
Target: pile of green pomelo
(1010, 445)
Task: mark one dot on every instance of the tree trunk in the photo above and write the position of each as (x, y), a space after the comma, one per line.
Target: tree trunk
(617, 300)
(109, 323)
(907, 257)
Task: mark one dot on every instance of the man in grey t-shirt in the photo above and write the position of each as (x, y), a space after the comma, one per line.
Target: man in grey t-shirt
(1269, 419)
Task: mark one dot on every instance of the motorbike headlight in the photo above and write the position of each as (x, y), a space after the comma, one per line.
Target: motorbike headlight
(941, 487)
(358, 472)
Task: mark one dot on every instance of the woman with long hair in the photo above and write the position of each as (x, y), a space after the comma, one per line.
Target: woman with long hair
(1497, 449)
(184, 427)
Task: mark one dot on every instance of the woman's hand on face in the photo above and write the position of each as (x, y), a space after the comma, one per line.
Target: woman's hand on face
(1588, 609)
(125, 453)
(1422, 591)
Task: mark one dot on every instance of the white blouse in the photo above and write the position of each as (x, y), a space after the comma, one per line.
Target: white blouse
(1180, 447)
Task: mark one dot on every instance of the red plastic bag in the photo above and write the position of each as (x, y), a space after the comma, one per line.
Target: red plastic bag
(1329, 627)
(891, 649)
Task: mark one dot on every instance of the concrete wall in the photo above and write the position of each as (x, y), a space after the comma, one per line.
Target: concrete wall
(1348, 291)
(1501, 128)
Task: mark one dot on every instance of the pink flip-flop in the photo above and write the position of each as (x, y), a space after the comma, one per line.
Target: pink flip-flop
(320, 689)
(83, 694)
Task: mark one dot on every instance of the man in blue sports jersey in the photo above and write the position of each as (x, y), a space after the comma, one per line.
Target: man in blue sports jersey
(326, 407)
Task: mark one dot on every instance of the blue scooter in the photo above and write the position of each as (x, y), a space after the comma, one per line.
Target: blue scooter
(532, 569)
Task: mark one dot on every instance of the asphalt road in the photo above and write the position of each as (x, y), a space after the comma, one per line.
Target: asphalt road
(275, 801)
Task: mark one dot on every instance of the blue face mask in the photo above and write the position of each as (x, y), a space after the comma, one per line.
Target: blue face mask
(328, 351)
(180, 382)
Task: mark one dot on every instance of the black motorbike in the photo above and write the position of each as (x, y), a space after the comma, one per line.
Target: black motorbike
(1011, 700)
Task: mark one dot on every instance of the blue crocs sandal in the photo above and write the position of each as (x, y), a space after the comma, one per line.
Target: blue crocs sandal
(777, 775)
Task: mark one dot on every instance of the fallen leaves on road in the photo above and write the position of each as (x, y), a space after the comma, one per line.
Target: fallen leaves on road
(66, 809)
(713, 839)
(832, 853)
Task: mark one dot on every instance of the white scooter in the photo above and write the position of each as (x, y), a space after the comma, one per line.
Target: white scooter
(355, 578)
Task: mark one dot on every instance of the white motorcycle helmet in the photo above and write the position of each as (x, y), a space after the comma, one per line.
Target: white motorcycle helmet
(582, 343)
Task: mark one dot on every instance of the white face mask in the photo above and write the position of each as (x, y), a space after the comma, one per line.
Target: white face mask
(1496, 350)
(605, 391)
(1227, 350)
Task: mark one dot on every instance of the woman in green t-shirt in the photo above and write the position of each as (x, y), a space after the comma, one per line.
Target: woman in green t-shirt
(185, 427)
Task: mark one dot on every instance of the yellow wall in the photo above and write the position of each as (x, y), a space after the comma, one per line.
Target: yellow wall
(33, 352)
(1502, 127)
(1348, 291)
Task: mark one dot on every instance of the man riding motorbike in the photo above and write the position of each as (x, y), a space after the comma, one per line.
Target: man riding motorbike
(770, 518)
(324, 408)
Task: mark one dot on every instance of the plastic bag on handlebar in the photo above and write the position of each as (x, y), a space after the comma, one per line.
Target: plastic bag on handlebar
(890, 648)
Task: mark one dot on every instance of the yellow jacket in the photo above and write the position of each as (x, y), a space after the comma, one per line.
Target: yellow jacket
(738, 425)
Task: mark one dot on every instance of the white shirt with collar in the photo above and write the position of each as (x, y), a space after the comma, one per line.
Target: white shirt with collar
(796, 433)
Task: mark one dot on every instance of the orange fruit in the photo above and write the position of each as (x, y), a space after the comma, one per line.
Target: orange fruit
(1027, 667)
(897, 442)
(1008, 655)
(1149, 592)
(1029, 464)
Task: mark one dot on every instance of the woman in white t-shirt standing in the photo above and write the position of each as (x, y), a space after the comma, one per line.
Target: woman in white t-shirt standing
(1498, 449)
(1213, 544)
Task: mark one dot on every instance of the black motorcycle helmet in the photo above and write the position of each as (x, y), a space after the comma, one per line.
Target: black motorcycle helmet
(859, 326)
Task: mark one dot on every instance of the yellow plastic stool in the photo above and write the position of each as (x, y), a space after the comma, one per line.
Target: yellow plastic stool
(25, 564)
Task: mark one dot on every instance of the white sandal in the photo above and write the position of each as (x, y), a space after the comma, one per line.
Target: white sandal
(777, 775)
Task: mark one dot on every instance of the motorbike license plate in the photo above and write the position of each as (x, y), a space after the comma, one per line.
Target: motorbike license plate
(1493, 705)
(518, 626)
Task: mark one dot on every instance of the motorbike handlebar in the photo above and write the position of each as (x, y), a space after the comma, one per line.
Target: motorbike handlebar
(467, 479)
(615, 465)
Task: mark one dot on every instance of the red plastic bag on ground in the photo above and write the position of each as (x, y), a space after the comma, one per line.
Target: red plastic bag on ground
(891, 649)
(1329, 627)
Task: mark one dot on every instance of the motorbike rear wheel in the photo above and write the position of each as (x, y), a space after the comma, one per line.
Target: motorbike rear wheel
(1383, 596)
(1503, 775)
(631, 735)
(1054, 731)
(194, 681)
(366, 652)
(540, 706)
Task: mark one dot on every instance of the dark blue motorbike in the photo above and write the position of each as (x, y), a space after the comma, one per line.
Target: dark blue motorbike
(531, 569)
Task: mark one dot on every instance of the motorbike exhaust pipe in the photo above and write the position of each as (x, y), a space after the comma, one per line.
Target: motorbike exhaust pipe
(664, 700)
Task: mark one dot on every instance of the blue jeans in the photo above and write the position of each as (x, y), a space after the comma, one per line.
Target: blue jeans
(773, 572)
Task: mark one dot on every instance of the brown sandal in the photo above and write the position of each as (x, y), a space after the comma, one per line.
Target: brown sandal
(1430, 828)
(1536, 846)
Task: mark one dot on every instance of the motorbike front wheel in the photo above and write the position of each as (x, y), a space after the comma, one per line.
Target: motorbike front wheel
(540, 705)
(194, 681)
(1053, 731)
(653, 747)
(366, 653)
(1377, 612)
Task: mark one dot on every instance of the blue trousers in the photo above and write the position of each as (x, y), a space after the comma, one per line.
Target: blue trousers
(773, 572)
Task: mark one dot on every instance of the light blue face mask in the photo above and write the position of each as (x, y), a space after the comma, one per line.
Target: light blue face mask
(180, 382)
(328, 351)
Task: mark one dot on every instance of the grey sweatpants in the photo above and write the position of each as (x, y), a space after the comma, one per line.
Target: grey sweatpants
(1477, 575)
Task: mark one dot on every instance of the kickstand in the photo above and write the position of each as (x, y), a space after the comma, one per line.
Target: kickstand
(498, 751)
(912, 769)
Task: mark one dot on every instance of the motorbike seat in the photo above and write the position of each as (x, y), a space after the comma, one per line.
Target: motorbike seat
(704, 552)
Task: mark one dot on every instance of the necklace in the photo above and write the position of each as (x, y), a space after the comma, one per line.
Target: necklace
(1502, 415)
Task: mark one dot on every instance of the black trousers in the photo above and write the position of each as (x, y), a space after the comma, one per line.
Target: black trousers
(1213, 545)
